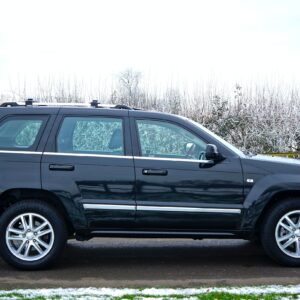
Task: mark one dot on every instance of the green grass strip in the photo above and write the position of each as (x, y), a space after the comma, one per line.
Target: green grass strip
(205, 296)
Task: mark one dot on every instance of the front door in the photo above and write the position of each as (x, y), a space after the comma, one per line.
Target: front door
(89, 166)
(174, 189)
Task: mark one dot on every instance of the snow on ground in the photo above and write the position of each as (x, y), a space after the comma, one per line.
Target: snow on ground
(156, 292)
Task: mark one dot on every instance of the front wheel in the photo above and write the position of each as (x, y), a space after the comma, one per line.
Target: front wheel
(33, 235)
(280, 235)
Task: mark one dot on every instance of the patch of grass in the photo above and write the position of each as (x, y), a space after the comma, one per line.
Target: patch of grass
(228, 296)
(211, 296)
(12, 296)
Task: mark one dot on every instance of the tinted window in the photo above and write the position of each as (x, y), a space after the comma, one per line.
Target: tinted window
(20, 133)
(98, 135)
(163, 139)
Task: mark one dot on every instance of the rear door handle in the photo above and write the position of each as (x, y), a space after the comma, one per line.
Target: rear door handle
(55, 167)
(155, 172)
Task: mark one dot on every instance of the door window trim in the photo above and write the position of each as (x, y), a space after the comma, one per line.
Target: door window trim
(86, 155)
(203, 161)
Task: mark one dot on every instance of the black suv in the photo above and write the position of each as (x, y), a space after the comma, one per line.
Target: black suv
(82, 172)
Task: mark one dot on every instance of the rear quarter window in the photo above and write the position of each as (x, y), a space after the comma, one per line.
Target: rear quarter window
(21, 132)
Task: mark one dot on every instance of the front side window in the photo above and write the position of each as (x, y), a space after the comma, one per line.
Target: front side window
(167, 140)
(94, 135)
(20, 132)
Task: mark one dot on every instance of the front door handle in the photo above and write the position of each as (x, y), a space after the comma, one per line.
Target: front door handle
(56, 167)
(155, 172)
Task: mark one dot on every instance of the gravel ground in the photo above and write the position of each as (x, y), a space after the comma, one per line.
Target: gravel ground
(155, 263)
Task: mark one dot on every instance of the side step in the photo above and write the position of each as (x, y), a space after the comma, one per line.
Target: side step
(161, 234)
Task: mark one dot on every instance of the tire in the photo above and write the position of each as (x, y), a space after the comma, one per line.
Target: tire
(279, 238)
(24, 245)
(256, 241)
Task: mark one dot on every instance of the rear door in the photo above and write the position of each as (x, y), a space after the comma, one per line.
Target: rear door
(88, 163)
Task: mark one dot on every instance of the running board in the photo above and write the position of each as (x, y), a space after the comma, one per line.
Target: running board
(161, 234)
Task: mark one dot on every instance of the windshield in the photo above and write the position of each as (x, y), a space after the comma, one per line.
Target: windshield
(226, 144)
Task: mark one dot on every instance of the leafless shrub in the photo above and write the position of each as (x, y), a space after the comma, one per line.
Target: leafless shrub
(259, 118)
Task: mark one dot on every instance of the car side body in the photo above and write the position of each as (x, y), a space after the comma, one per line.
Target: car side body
(133, 195)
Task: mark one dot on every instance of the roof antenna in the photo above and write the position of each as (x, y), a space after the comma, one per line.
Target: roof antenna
(28, 102)
(94, 103)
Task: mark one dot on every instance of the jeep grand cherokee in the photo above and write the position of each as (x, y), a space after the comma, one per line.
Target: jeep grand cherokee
(93, 171)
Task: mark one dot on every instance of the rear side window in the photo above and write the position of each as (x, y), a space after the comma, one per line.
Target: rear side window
(19, 133)
(91, 135)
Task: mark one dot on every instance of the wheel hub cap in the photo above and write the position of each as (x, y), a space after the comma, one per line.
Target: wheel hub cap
(29, 235)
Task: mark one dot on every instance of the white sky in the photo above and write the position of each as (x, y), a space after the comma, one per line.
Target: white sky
(169, 41)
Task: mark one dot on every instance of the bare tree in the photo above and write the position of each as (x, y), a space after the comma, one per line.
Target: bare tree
(260, 118)
(128, 90)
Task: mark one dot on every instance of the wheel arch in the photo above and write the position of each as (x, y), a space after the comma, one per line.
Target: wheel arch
(278, 197)
(14, 195)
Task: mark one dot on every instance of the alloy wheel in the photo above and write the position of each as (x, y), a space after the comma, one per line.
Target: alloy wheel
(287, 234)
(29, 236)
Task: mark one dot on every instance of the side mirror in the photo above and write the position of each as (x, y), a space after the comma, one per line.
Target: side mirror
(212, 153)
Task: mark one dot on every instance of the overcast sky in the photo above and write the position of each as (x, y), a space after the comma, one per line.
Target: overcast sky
(169, 41)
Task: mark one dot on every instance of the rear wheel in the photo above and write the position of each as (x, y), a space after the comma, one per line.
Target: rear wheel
(33, 235)
(280, 235)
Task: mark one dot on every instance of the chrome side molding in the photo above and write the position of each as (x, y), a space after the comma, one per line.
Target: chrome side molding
(188, 209)
(108, 206)
(95, 206)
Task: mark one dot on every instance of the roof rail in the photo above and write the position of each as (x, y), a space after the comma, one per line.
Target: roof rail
(29, 101)
(94, 103)
(121, 106)
(8, 104)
